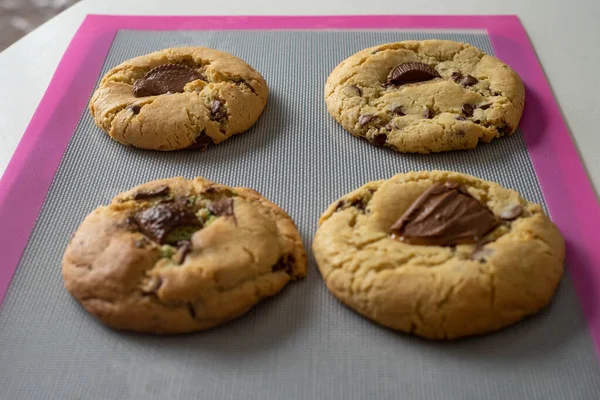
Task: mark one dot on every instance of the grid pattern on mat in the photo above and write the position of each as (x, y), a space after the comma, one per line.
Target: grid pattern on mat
(302, 344)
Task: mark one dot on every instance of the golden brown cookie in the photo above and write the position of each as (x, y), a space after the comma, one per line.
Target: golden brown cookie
(439, 254)
(425, 96)
(177, 255)
(188, 97)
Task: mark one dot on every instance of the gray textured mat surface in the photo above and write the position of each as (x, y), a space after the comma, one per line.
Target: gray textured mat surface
(302, 344)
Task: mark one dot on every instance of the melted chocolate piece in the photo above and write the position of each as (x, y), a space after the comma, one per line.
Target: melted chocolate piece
(379, 139)
(285, 263)
(365, 119)
(146, 194)
(398, 111)
(467, 109)
(411, 72)
(167, 222)
(222, 207)
(468, 81)
(134, 108)
(218, 112)
(428, 113)
(202, 142)
(485, 106)
(168, 78)
(456, 76)
(444, 215)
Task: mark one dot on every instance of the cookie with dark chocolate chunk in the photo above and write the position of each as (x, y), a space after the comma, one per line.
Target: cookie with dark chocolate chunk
(418, 94)
(439, 254)
(166, 256)
(184, 98)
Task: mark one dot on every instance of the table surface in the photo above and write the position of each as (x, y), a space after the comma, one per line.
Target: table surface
(565, 35)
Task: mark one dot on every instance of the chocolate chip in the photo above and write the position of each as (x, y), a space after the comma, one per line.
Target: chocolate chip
(511, 212)
(428, 113)
(168, 78)
(411, 72)
(468, 81)
(202, 142)
(379, 139)
(184, 247)
(460, 118)
(148, 193)
(398, 111)
(285, 263)
(152, 285)
(218, 112)
(191, 310)
(222, 207)
(481, 254)
(365, 119)
(467, 110)
(167, 222)
(134, 108)
(484, 106)
(352, 90)
(456, 76)
(444, 215)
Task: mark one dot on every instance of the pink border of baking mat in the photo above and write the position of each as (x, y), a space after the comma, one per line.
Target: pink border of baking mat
(563, 179)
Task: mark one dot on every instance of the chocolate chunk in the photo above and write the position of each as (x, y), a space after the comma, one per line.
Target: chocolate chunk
(134, 108)
(352, 90)
(202, 142)
(365, 119)
(285, 263)
(218, 112)
(167, 222)
(148, 193)
(456, 76)
(467, 109)
(481, 254)
(184, 247)
(468, 81)
(411, 72)
(191, 310)
(379, 139)
(444, 215)
(168, 78)
(460, 118)
(511, 212)
(428, 113)
(152, 285)
(484, 106)
(222, 207)
(398, 111)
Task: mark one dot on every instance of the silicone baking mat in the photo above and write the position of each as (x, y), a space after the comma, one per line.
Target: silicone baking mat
(303, 344)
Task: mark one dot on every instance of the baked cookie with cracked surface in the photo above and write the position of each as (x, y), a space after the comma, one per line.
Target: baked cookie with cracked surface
(179, 98)
(425, 96)
(176, 255)
(439, 254)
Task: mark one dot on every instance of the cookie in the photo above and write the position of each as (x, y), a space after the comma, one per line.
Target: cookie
(425, 96)
(188, 97)
(176, 255)
(439, 254)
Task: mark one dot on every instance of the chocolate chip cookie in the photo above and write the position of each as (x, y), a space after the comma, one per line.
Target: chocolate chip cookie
(439, 254)
(176, 255)
(425, 96)
(189, 97)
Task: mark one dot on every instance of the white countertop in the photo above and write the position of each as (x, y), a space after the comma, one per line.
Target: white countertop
(565, 35)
